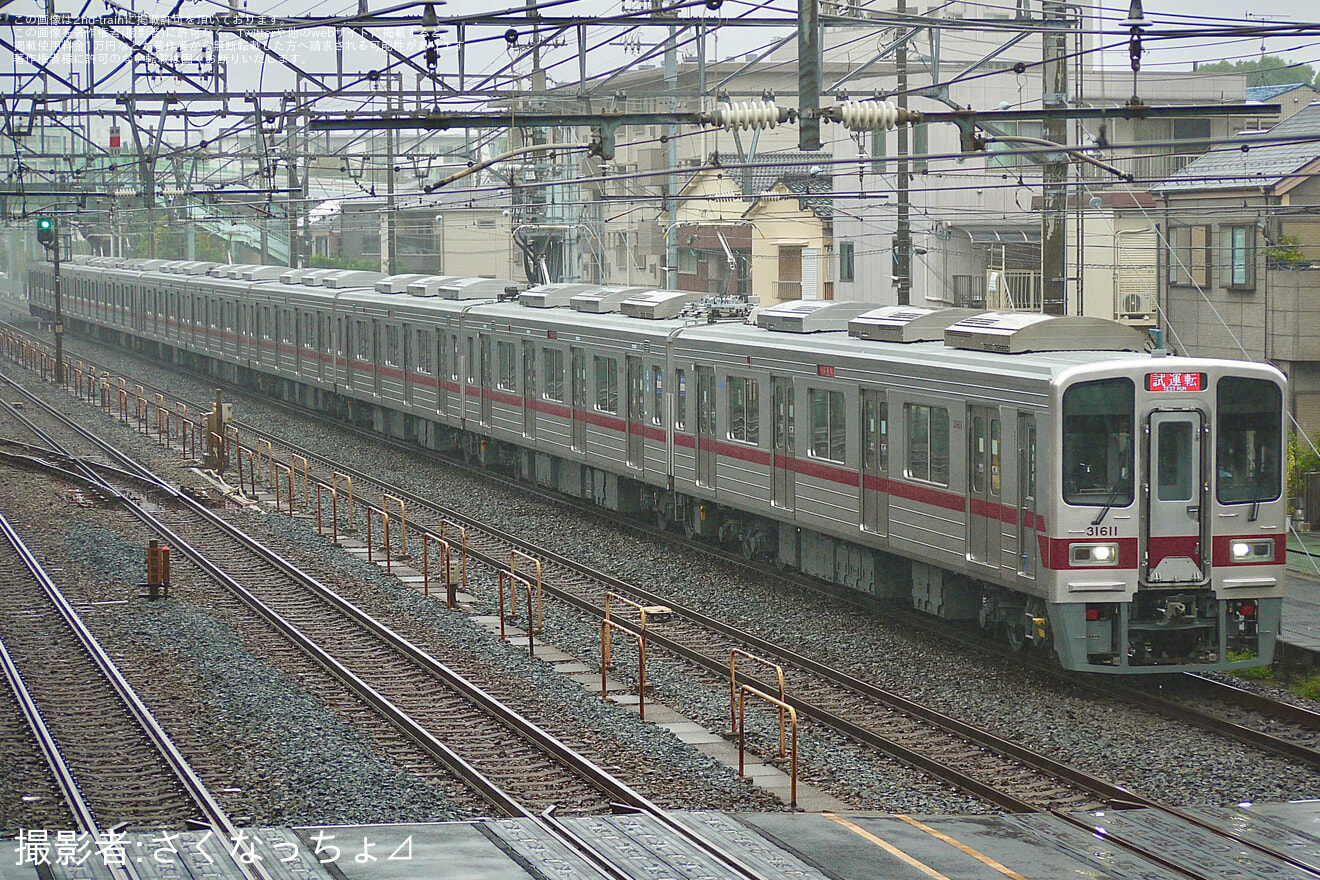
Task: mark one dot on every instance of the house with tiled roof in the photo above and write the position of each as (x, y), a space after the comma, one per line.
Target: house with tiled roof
(1291, 97)
(1239, 272)
(759, 227)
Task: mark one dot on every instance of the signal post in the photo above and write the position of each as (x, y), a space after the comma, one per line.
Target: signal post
(48, 235)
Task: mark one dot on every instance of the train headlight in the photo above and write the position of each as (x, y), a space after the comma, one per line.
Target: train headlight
(1252, 551)
(1094, 554)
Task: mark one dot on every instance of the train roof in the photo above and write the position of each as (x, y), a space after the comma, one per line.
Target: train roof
(1022, 344)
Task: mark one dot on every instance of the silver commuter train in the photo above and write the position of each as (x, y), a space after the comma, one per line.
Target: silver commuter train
(1046, 476)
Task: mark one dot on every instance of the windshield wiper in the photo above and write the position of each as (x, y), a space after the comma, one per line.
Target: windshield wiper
(1113, 497)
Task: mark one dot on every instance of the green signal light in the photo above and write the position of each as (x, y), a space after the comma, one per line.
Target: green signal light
(46, 231)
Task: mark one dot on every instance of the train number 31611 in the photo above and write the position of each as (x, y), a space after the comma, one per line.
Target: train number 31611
(1102, 531)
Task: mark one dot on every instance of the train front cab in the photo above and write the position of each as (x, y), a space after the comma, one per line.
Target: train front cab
(1169, 544)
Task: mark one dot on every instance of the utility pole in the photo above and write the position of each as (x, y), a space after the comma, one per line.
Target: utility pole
(809, 60)
(389, 257)
(293, 209)
(903, 239)
(1053, 215)
(671, 180)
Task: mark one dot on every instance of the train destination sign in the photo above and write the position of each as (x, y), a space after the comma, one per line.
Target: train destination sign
(1175, 381)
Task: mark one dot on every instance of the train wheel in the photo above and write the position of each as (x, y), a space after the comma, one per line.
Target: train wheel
(664, 516)
(1016, 633)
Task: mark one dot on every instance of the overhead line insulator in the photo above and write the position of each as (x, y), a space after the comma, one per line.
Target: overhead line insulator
(751, 114)
(873, 115)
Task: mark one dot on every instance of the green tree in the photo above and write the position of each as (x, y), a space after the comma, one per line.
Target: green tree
(1302, 460)
(171, 243)
(1268, 70)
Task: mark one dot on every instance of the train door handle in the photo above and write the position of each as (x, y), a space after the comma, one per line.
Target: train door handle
(1193, 509)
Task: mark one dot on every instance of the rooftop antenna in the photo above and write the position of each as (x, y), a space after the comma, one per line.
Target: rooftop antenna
(1260, 68)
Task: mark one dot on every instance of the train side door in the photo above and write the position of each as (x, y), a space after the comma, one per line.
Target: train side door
(1174, 497)
(409, 362)
(984, 533)
(485, 378)
(446, 368)
(875, 461)
(1027, 547)
(782, 455)
(529, 389)
(579, 394)
(706, 421)
(636, 403)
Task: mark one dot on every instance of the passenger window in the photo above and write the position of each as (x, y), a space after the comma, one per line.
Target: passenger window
(680, 400)
(554, 375)
(508, 366)
(927, 443)
(744, 411)
(657, 395)
(828, 424)
(607, 384)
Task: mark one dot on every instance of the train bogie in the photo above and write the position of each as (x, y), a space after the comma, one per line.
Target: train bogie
(1126, 509)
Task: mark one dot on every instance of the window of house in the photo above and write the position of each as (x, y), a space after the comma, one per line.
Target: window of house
(828, 424)
(506, 354)
(879, 149)
(927, 443)
(744, 410)
(1202, 264)
(554, 374)
(1238, 250)
(607, 384)
(847, 257)
(1176, 237)
(1192, 128)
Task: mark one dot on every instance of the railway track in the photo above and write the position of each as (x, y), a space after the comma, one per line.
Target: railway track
(506, 759)
(827, 695)
(112, 761)
(549, 778)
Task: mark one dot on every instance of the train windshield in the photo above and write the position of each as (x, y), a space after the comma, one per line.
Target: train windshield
(1098, 419)
(1247, 442)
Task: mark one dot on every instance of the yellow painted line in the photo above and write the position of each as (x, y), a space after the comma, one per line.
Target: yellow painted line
(964, 848)
(888, 847)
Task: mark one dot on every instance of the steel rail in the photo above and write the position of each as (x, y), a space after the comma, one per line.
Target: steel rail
(1223, 690)
(83, 818)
